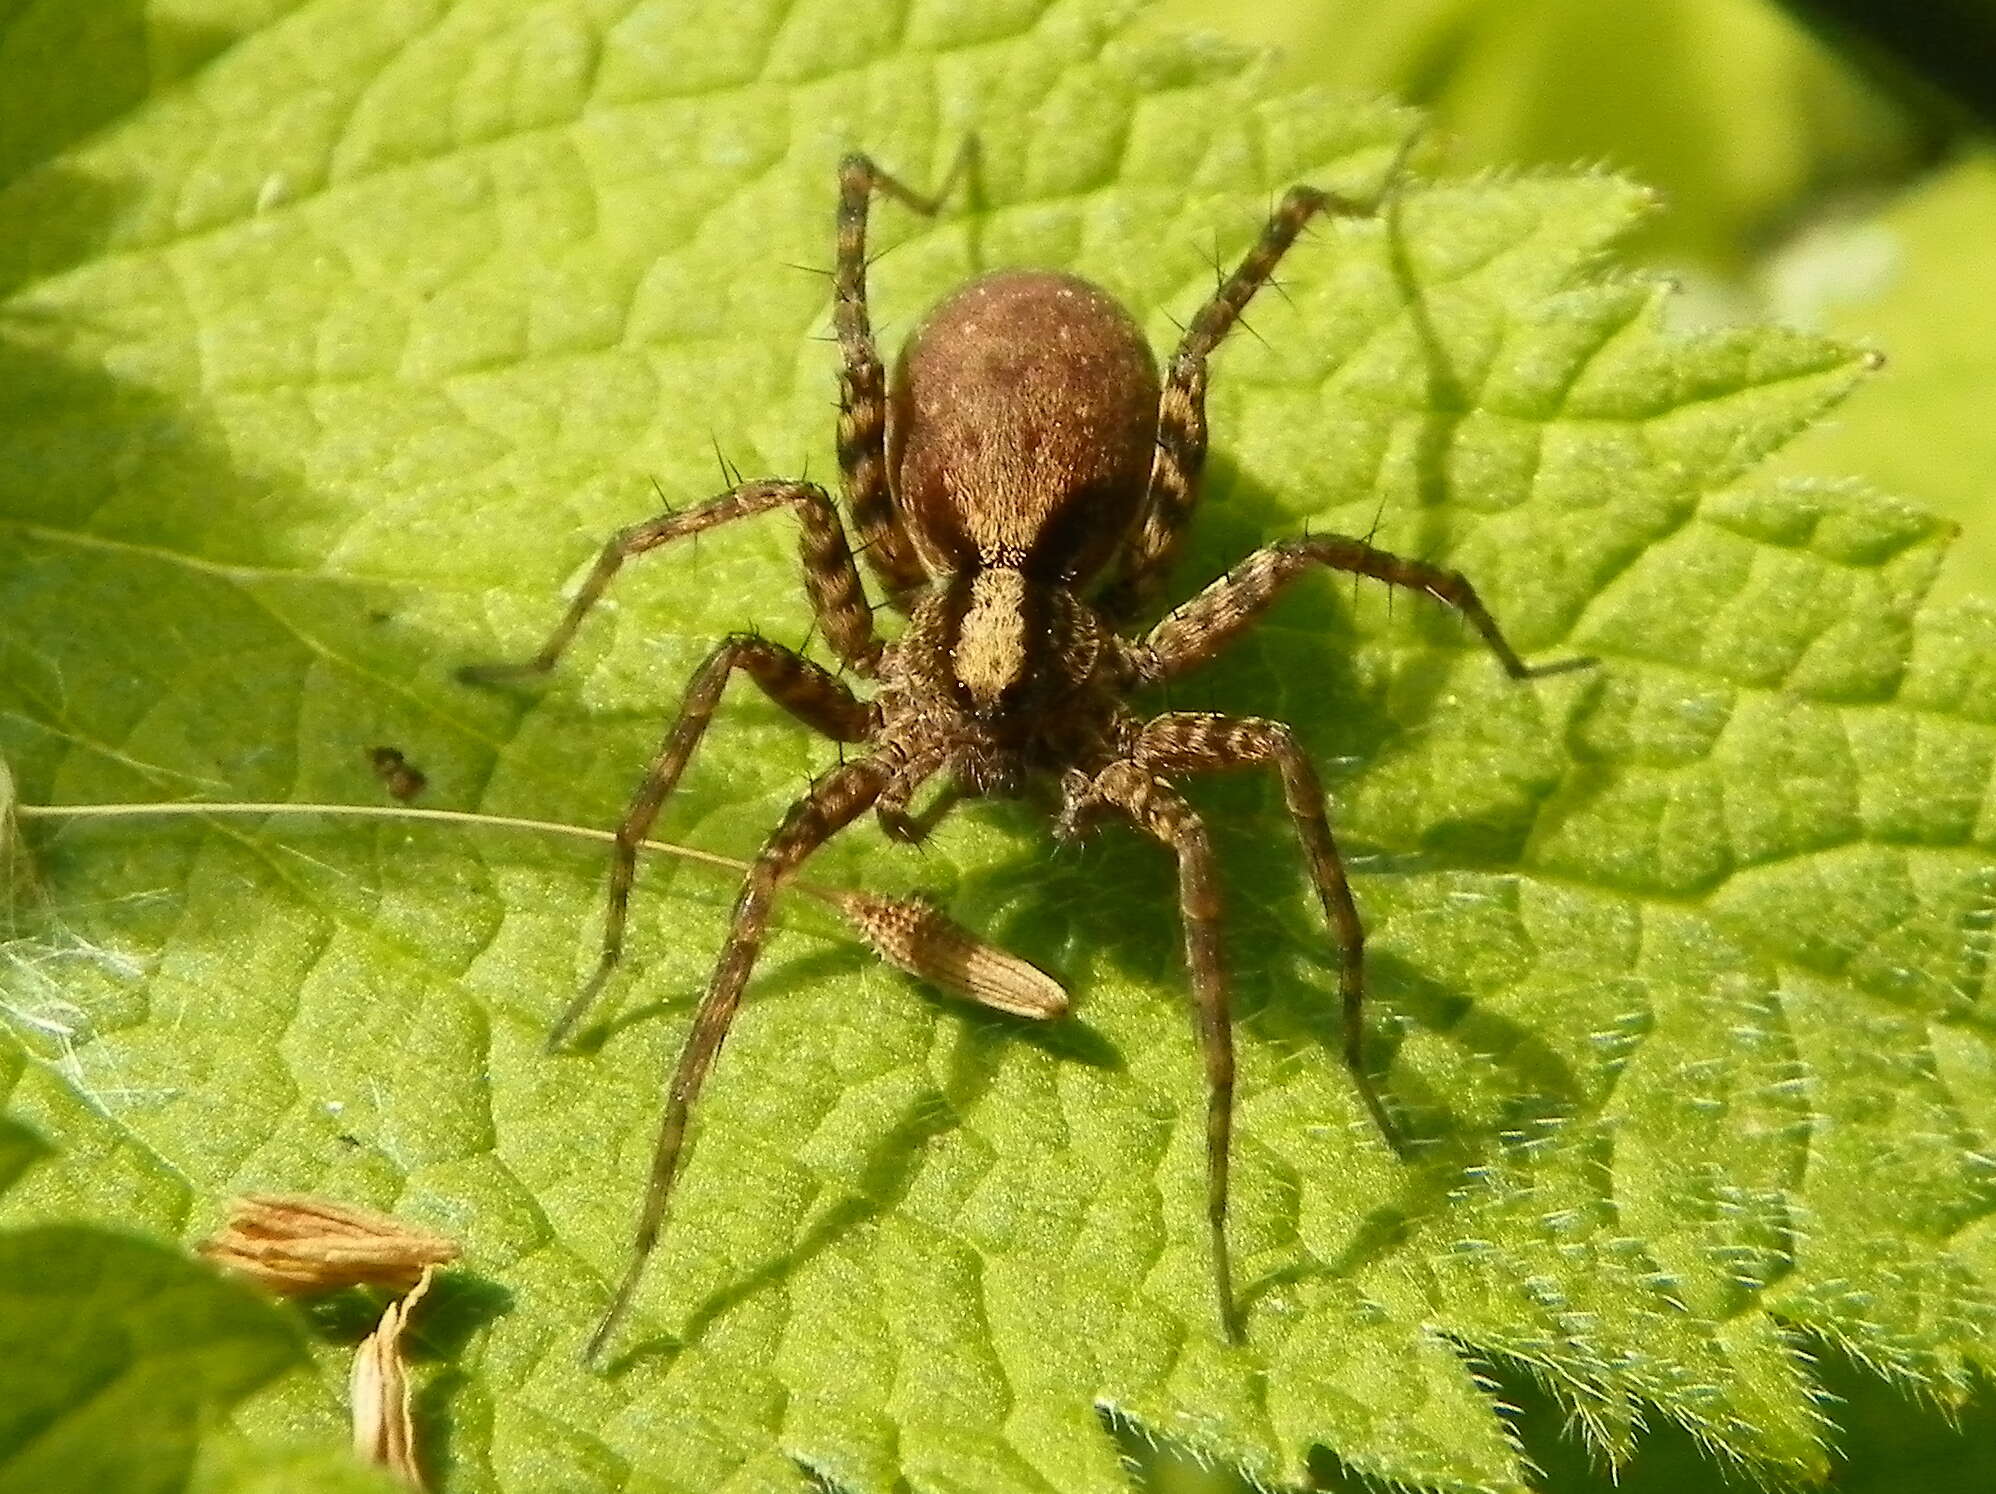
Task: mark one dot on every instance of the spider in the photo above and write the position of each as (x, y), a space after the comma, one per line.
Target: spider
(1020, 489)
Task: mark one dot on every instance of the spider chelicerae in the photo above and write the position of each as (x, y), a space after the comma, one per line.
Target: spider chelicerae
(1020, 489)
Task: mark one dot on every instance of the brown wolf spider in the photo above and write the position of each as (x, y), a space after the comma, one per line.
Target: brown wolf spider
(1020, 491)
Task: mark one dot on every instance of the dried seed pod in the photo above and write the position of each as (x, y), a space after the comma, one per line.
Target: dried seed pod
(925, 942)
(383, 1432)
(296, 1244)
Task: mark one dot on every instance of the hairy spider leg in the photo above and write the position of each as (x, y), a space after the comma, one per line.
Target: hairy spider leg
(1196, 742)
(1158, 810)
(838, 598)
(1203, 627)
(1181, 411)
(914, 829)
(806, 690)
(862, 437)
(833, 802)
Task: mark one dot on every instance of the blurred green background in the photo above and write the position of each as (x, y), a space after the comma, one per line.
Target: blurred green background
(1826, 163)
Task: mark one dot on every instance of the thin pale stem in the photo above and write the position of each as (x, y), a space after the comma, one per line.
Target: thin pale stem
(396, 812)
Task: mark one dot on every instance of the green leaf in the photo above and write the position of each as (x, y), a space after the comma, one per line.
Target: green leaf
(329, 367)
(1732, 108)
(1894, 279)
(115, 1352)
(1887, 1443)
(235, 1466)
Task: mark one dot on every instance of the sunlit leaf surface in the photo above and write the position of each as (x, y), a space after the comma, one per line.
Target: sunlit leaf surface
(331, 351)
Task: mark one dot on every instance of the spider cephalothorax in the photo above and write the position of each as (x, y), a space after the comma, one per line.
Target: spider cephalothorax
(1020, 491)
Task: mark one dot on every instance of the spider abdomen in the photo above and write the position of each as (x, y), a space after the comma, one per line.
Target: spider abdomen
(1021, 427)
